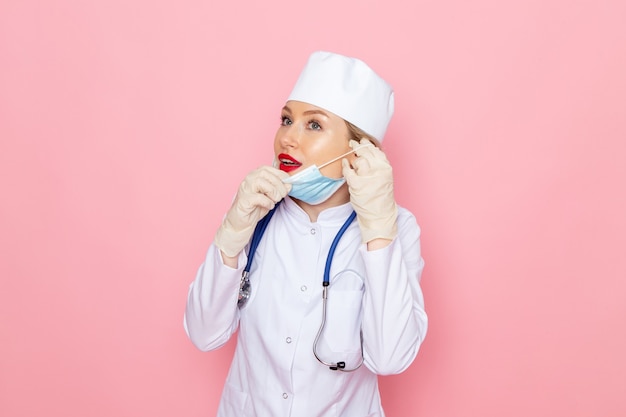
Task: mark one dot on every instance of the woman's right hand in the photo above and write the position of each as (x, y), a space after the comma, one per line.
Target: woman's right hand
(257, 195)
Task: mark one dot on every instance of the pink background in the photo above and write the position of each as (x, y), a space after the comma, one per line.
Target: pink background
(126, 126)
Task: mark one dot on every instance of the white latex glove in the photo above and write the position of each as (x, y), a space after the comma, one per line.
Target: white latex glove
(370, 182)
(257, 195)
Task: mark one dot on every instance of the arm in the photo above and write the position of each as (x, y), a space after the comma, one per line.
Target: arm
(394, 320)
(211, 315)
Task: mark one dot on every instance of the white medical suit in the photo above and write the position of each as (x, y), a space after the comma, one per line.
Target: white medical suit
(274, 372)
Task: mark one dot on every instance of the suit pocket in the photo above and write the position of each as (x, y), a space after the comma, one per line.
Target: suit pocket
(343, 320)
(233, 402)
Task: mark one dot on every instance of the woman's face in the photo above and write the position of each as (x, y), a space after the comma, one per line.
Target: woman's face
(310, 135)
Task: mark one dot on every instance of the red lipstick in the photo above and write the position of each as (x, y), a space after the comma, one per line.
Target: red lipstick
(288, 163)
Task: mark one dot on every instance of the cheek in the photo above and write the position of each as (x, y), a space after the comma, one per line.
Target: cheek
(333, 170)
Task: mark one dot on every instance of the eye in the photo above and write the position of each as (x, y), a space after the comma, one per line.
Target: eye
(285, 121)
(314, 125)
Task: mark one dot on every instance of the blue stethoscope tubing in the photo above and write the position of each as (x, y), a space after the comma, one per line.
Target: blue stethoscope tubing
(259, 230)
(244, 287)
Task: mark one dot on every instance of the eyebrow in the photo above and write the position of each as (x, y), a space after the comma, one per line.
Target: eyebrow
(308, 112)
(316, 112)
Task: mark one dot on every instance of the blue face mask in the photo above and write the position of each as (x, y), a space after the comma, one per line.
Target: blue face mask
(310, 186)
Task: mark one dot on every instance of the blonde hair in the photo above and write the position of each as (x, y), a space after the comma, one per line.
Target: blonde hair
(354, 133)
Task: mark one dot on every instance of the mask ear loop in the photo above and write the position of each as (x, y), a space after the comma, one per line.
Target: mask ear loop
(290, 180)
(345, 154)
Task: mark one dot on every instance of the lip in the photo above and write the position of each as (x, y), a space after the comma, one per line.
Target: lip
(292, 166)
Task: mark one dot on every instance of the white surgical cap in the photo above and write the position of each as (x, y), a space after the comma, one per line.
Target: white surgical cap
(348, 88)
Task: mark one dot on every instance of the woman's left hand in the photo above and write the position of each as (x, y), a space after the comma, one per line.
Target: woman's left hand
(370, 182)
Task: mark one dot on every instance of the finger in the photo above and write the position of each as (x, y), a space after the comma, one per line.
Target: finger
(366, 141)
(277, 172)
(347, 171)
(271, 187)
(364, 148)
(269, 181)
(379, 155)
(361, 165)
(272, 175)
(260, 201)
(376, 158)
(282, 187)
(356, 183)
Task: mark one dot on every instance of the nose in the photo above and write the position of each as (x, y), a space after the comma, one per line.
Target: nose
(289, 136)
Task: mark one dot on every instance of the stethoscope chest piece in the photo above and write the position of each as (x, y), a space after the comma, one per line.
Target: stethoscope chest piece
(244, 289)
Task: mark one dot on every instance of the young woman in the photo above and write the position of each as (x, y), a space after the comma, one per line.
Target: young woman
(307, 348)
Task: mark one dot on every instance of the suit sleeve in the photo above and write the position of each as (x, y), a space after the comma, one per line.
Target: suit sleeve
(394, 320)
(211, 315)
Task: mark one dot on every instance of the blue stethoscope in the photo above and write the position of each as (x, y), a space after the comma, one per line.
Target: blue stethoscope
(244, 287)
